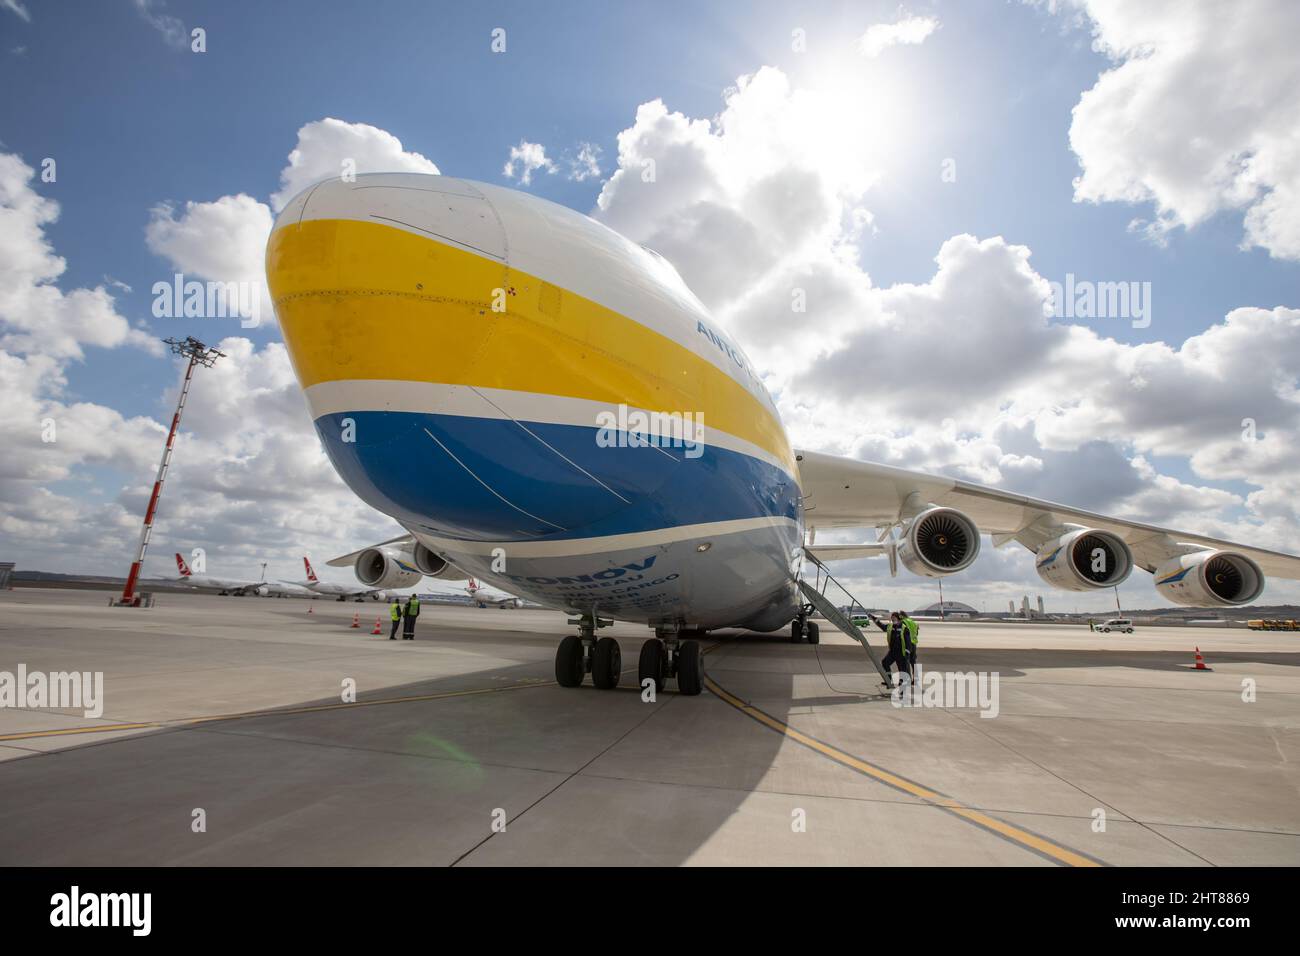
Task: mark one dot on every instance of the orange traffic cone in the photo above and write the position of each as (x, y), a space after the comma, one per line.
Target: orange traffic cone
(1200, 662)
(356, 619)
(378, 629)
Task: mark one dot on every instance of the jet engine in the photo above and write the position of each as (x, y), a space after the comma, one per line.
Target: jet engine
(432, 566)
(387, 568)
(937, 542)
(1210, 579)
(1084, 559)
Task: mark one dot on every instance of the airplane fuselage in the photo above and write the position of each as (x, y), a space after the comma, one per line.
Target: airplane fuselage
(538, 400)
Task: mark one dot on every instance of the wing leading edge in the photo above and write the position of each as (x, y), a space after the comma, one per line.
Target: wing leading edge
(847, 493)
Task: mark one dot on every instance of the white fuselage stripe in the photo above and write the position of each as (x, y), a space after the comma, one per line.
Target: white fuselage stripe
(570, 547)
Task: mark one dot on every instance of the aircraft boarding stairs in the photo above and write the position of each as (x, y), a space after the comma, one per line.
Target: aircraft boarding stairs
(826, 607)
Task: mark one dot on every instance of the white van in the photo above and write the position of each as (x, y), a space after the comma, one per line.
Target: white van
(1116, 624)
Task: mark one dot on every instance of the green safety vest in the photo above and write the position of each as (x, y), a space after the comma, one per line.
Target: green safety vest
(413, 609)
(396, 611)
(912, 629)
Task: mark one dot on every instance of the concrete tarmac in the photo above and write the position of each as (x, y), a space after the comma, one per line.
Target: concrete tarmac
(460, 749)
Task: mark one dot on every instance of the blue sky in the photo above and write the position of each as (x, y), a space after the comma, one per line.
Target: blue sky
(134, 121)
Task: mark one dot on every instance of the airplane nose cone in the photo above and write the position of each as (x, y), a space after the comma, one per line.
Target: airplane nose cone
(440, 386)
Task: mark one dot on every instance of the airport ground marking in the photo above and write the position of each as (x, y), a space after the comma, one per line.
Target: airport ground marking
(1055, 852)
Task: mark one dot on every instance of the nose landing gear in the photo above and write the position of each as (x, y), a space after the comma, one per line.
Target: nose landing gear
(801, 627)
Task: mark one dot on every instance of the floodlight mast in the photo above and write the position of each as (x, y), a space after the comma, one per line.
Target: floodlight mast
(198, 354)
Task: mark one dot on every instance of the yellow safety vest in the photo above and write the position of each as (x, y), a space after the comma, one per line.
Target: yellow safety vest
(396, 611)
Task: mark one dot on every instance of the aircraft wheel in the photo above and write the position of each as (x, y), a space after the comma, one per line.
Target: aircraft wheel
(568, 662)
(653, 664)
(796, 632)
(606, 663)
(690, 668)
(814, 633)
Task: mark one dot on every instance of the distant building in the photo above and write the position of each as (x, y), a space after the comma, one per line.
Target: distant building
(953, 609)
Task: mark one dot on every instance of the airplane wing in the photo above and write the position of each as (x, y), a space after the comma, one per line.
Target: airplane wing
(846, 552)
(347, 560)
(844, 492)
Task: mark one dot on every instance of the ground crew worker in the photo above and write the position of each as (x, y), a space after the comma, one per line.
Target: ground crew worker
(411, 612)
(395, 612)
(896, 633)
(913, 629)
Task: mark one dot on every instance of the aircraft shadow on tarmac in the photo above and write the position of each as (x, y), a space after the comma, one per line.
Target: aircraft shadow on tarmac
(415, 782)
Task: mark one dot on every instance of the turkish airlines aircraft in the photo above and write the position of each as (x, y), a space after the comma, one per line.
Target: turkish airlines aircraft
(509, 379)
(224, 585)
(342, 591)
(479, 595)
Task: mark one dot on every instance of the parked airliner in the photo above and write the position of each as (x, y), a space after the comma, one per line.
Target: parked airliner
(545, 405)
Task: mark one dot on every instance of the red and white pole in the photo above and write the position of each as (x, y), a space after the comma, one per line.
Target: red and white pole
(198, 354)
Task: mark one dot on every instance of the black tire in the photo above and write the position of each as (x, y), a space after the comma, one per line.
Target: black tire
(690, 668)
(568, 662)
(653, 664)
(606, 663)
(814, 633)
(796, 632)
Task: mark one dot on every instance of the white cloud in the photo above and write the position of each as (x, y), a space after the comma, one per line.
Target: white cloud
(35, 315)
(963, 373)
(17, 9)
(909, 30)
(586, 163)
(222, 241)
(527, 158)
(1197, 116)
(330, 147)
(171, 28)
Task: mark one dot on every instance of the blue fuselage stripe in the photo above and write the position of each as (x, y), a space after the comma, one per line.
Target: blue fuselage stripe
(490, 479)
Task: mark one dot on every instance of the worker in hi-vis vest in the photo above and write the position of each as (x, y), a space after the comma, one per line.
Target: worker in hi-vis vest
(897, 635)
(913, 629)
(411, 612)
(395, 612)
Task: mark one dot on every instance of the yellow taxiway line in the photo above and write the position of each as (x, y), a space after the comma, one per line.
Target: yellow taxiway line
(1030, 841)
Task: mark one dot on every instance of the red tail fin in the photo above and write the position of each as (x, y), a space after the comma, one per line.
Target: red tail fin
(182, 566)
(311, 575)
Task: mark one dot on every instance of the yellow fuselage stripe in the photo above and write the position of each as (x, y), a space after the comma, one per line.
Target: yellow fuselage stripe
(361, 300)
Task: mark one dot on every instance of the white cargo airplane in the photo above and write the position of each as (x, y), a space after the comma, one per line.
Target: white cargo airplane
(480, 596)
(509, 379)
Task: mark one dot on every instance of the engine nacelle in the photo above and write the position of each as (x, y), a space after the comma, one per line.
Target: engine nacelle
(1084, 559)
(1210, 579)
(430, 565)
(937, 542)
(386, 568)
